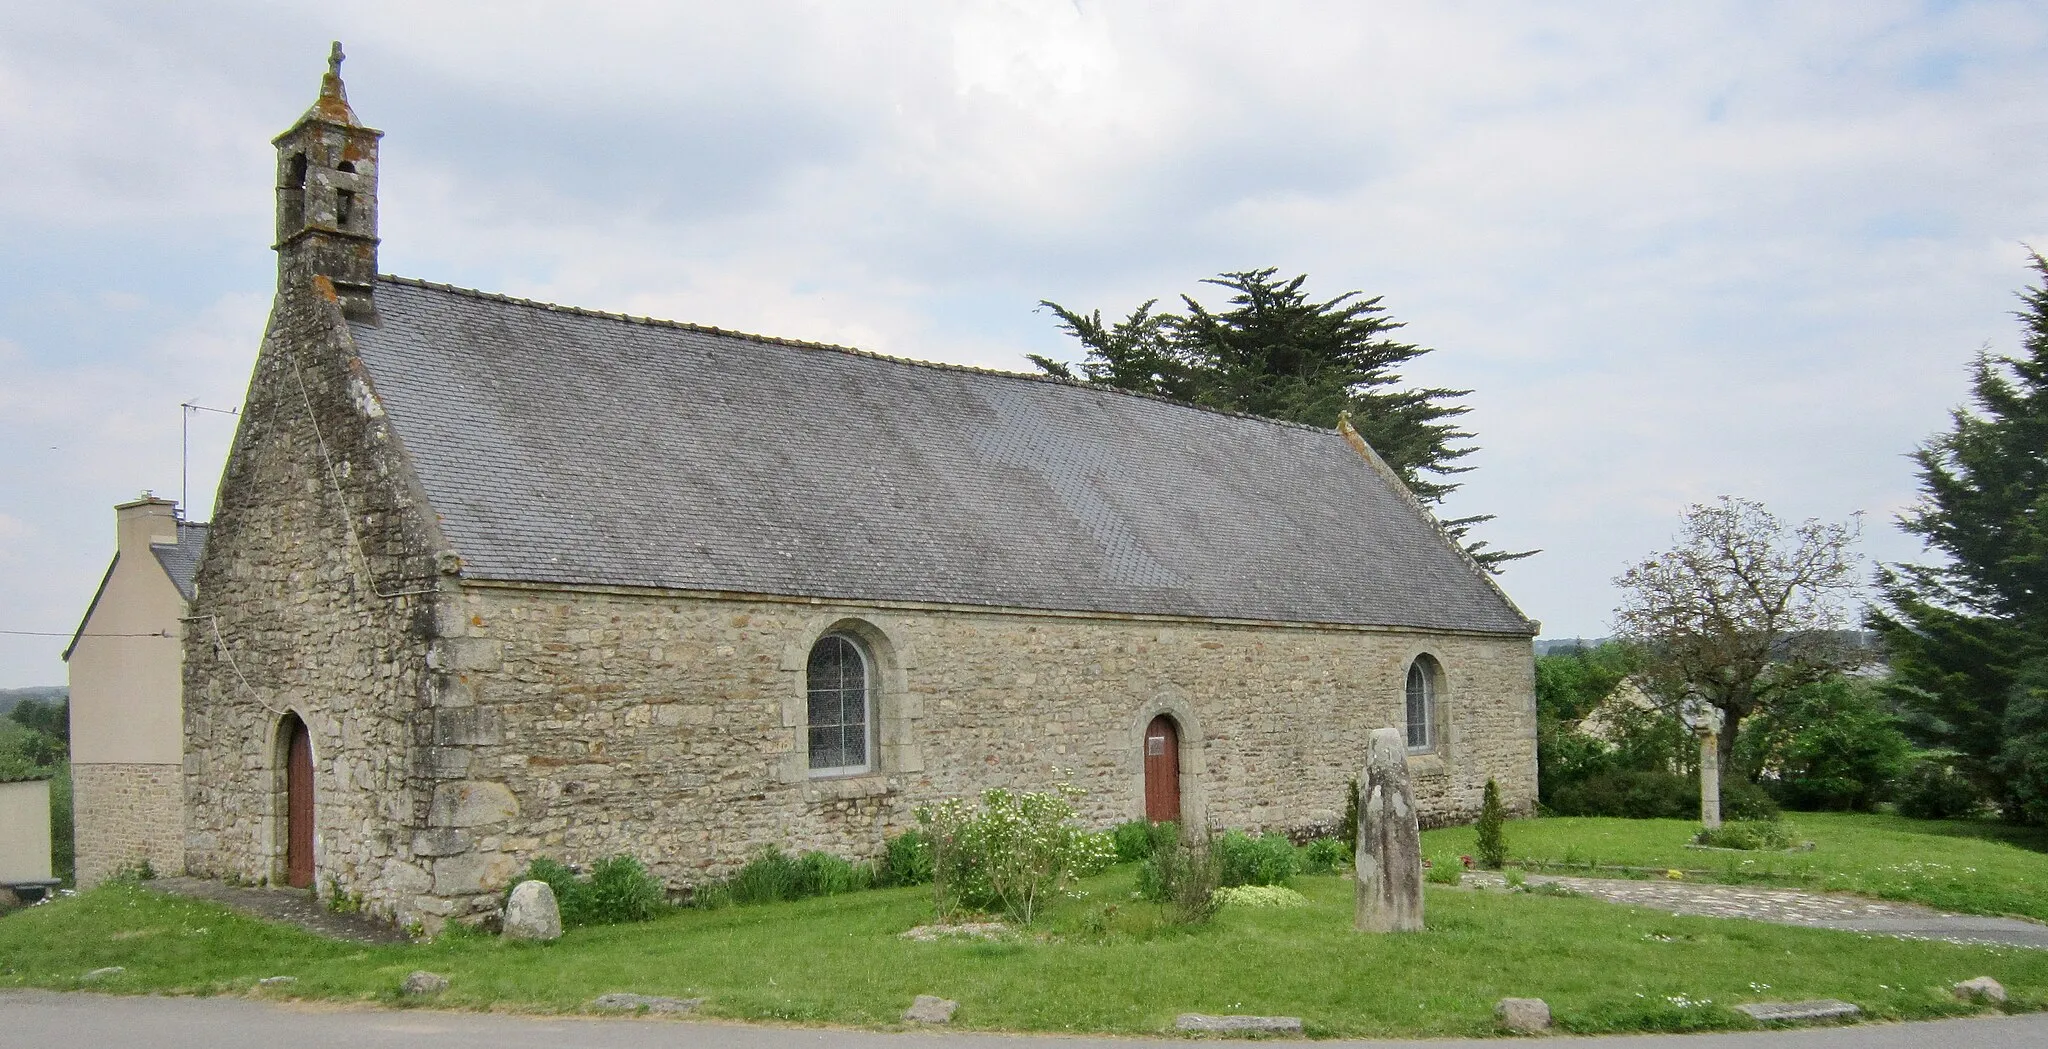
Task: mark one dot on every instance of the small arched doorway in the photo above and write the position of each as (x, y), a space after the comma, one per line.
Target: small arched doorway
(297, 745)
(1162, 770)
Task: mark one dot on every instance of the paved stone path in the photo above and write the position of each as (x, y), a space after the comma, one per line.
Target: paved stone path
(296, 906)
(1820, 910)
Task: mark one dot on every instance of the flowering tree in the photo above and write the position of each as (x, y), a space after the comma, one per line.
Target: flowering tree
(1742, 611)
(1014, 851)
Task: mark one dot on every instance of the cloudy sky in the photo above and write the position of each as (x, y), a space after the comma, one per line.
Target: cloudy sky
(1675, 250)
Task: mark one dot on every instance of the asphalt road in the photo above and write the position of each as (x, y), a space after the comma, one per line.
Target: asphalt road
(49, 1020)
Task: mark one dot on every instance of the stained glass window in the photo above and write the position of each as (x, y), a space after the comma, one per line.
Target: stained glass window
(1421, 706)
(838, 685)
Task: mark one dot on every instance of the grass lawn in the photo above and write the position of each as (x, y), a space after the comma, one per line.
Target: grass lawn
(1965, 866)
(839, 961)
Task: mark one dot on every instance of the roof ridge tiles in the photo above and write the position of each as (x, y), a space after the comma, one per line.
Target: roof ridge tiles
(852, 351)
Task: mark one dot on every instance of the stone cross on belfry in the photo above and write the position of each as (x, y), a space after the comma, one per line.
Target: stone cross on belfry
(334, 57)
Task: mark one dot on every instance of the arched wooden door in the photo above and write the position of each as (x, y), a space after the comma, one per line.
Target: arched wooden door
(298, 805)
(1162, 770)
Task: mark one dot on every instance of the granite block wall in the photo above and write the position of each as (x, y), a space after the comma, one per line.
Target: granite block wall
(126, 813)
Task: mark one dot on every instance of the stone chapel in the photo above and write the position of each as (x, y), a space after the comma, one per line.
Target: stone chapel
(491, 579)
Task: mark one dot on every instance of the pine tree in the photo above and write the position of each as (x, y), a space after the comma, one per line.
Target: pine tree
(1275, 352)
(1968, 638)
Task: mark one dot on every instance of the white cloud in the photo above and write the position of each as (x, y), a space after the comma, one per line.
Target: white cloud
(1676, 251)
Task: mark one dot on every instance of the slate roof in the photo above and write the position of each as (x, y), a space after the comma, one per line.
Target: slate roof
(181, 560)
(565, 446)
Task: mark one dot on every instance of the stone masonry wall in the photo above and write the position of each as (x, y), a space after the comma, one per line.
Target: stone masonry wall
(125, 814)
(580, 725)
(315, 599)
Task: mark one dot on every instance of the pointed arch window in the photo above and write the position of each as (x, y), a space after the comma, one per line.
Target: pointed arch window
(1422, 675)
(839, 683)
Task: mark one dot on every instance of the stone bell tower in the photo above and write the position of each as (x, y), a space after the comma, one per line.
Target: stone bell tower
(327, 196)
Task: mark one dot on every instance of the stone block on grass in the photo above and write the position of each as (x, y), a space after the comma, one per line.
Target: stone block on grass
(532, 914)
(420, 983)
(623, 1002)
(930, 1009)
(1523, 1015)
(1981, 989)
(1238, 1026)
(1799, 1012)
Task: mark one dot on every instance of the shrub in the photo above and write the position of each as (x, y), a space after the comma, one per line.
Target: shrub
(1260, 896)
(1012, 851)
(1324, 855)
(1493, 846)
(1747, 834)
(1631, 795)
(1934, 789)
(63, 836)
(1444, 873)
(568, 891)
(1347, 832)
(906, 860)
(1828, 745)
(769, 877)
(823, 874)
(1132, 840)
(1242, 859)
(1742, 800)
(1182, 875)
(773, 876)
(619, 889)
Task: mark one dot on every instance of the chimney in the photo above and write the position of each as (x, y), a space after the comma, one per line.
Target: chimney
(146, 520)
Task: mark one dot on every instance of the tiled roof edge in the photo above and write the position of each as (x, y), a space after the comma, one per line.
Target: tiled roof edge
(1386, 470)
(851, 351)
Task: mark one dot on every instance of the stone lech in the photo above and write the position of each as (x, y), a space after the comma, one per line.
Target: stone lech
(1197, 1023)
(532, 914)
(1799, 1012)
(1389, 840)
(626, 1002)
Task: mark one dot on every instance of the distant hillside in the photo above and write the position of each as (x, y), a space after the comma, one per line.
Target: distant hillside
(1547, 645)
(41, 694)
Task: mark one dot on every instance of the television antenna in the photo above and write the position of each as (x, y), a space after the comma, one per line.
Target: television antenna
(185, 449)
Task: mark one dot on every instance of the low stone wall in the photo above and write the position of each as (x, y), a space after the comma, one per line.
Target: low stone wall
(124, 814)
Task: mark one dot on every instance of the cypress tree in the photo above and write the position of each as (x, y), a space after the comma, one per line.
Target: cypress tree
(1968, 638)
(1276, 352)
(1493, 818)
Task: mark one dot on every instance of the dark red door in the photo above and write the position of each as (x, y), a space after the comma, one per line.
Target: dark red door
(1162, 770)
(298, 849)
